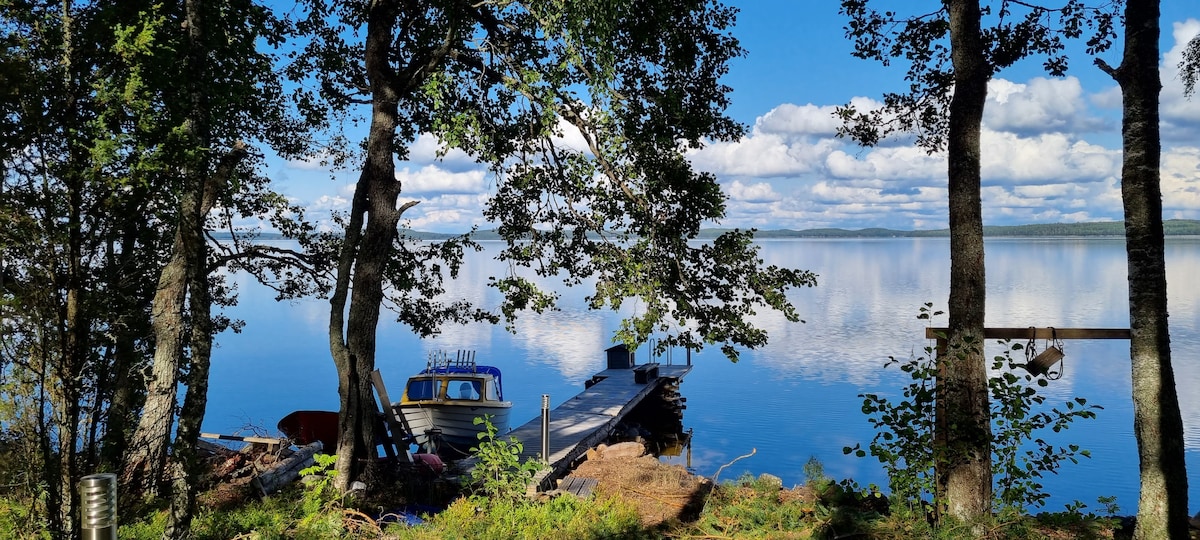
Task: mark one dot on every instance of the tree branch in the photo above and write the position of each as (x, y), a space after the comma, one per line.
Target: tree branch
(1114, 73)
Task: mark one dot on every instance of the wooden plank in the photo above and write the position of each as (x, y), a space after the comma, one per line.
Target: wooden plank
(400, 432)
(580, 487)
(1041, 333)
(270, 441)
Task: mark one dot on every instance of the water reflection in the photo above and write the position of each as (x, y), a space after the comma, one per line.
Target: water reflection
(565, 341)
(796, 397)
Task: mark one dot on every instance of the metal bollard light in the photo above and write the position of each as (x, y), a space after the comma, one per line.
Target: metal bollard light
(546, 428)
(98, 506)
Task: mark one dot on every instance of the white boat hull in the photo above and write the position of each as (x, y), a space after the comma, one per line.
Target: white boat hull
(456, 419)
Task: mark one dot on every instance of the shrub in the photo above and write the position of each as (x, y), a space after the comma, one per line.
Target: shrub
(904, 428)
(499, 471)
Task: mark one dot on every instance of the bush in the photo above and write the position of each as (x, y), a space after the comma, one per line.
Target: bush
(1021, 457)
(499, 471)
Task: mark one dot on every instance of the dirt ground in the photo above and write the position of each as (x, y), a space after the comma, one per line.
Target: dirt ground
(661, 492)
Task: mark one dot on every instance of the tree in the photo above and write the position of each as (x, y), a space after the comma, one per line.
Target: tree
(231, 94)
(1157, 421)
(943, 109)
(1189, 67)
(965, 467)
(95, 129)
(66, 262)
(502, 81)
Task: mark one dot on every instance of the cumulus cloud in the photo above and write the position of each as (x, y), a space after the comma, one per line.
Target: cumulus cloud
(1049, 157)
(1051, 152)
(762, 155)
(874, 196)
(890, 163)
(428, 149)
(326, 203)
(1180, 114)
(434, 179)
(753, 193)
(1039, 106)
(1180, 178)
(789, 119)
(447, 212)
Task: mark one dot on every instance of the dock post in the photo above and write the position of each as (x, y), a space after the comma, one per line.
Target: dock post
(546, 428)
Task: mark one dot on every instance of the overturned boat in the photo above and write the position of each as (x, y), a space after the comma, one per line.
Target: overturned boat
(440, 404)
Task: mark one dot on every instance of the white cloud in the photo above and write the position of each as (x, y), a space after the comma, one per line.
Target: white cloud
(752, 193)
(1109, 98)
(434, 179)
(1180, 114)
(1051, 152)
(762, 155)
(329, 202)
(789, 119)
(446, 212)
(426, 149)
(1050, 157)
(889, 163)
(1180, 176)
(1039, 106)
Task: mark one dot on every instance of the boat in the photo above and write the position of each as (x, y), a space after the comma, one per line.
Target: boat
(440, 404)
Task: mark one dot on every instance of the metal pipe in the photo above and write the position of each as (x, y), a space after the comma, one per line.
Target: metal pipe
(546, 428)
(98, 508)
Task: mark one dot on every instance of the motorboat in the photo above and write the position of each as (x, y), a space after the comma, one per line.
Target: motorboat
(441, 403)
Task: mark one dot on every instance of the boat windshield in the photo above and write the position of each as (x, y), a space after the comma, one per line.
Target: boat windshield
(463, 389)
(421, 389)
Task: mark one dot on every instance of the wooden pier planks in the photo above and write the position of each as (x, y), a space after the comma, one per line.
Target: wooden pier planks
(588, 418)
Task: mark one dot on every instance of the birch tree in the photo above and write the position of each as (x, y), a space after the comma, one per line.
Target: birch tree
(943, 110)
(1157, 420)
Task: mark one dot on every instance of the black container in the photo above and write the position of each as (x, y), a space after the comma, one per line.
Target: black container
(620, 357)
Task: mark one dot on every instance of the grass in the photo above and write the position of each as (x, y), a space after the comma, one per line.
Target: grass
(749, 507)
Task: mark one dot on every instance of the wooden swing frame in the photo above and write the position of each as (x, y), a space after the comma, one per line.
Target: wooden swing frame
(941, 335)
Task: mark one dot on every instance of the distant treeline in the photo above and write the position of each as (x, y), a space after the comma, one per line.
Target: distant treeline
(1172, 227)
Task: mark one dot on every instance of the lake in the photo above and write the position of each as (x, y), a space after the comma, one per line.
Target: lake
(795, 399)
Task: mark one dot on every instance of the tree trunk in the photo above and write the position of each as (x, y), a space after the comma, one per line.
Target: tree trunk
(964, 473)
(118, 387)
(1157, 422)
(191, 416)
(75, 325)
(195, 401)
(375, 195)
(74, 355)
(148, 447)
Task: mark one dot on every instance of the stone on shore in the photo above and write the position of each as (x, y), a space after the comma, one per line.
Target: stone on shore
(624, 450)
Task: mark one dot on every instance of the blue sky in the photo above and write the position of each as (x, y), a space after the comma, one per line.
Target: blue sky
(1051, 146)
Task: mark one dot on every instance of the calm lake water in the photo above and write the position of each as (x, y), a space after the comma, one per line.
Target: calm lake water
(796, 398)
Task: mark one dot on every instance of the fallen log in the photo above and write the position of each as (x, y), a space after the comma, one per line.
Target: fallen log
(286, 471)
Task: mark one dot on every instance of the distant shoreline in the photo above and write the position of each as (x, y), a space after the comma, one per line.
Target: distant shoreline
(1171, 227)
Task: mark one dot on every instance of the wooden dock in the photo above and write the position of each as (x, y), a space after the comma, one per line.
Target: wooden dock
(588, 418)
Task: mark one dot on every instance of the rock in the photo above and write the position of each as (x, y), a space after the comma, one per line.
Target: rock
(1195, 521)
(627, 450)
(771, 479)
